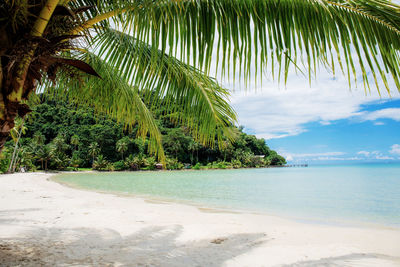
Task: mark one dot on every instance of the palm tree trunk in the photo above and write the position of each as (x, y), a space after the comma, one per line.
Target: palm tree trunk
(11, 168)
(16, 160)
(6, 121)
(12, 89)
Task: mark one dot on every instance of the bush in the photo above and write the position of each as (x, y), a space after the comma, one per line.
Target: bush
(110, 167)
(173, 164)
(197, 166)
(75, 161)
(100, 164)
(59, 161)
(223, 165)
(256, 162)
(149, 163)
(119, 165)
(132, 163)
(275, 159)
(236, 164)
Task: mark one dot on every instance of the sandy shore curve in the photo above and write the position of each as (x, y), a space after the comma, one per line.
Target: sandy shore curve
(43, 223)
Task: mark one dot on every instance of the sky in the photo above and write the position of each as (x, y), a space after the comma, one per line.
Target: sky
(323, 123)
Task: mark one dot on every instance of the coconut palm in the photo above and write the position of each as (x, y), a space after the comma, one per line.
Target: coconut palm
(100, 163)
(94, 150)
(39, 139)
(74, 141)
(192, 147)
(43, 154)
(59, 144)
(147, 50)
(16, 133)
(122, 145)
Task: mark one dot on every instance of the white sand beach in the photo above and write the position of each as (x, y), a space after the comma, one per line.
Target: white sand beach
(43, 223)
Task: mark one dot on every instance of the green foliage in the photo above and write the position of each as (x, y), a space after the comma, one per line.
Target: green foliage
(153, 54)
(236, 164)
(197, 166)
(275, 159)
(132, 163)
(149, 163)
(64, 136)
(5, 159)
(122, 145)
(101, 164)
(173, 164)
(119, 165)
(75, 161)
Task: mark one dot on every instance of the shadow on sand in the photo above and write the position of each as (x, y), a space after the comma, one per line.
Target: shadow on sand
(152, 246)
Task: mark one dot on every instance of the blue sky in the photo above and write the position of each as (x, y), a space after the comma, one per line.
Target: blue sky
(325, 122)
(349, 140)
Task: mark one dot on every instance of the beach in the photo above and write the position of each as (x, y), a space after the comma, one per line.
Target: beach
(44, 223)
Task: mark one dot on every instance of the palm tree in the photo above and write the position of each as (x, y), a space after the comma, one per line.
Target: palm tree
(122, 145)
(194, 146)
(16, 133)
(74, 141)
(59, 144)
(39, 138)
(43, 154)
(100, 163)
(133, 163)
(94, 150)
(145, 50)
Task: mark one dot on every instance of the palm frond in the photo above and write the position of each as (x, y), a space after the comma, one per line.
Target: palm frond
(258, 34)
(196, 100)
(110, 95)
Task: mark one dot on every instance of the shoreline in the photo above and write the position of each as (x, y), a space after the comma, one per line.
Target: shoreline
(45, 223)
(217, 209)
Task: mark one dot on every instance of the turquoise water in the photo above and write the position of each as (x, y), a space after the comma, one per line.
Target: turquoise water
(362, 193)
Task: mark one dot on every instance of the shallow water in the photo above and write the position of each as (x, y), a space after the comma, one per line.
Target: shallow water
(356, 193)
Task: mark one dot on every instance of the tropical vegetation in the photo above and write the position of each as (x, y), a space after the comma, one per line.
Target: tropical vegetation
(59, 136)
(118, 55)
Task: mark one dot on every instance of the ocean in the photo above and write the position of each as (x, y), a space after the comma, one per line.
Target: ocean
(365, 193)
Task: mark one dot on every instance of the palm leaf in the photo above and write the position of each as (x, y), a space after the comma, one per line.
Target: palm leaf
(278, 34)
(109, 95)
(196, 100)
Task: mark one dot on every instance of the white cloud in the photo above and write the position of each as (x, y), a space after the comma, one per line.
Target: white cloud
(309, 156)
(336, 158)
(272, 112)
(364, 153)
(378, 123)
(387, 113)
(289, 157)
(384, 157)
(325, 122)
(395, 149)
(377, 154)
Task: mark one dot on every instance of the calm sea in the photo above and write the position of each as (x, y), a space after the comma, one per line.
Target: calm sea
(367, 193)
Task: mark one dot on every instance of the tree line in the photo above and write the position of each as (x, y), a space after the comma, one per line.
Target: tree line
(62, 136)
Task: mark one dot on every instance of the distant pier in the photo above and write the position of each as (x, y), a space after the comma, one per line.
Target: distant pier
(296, 165)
